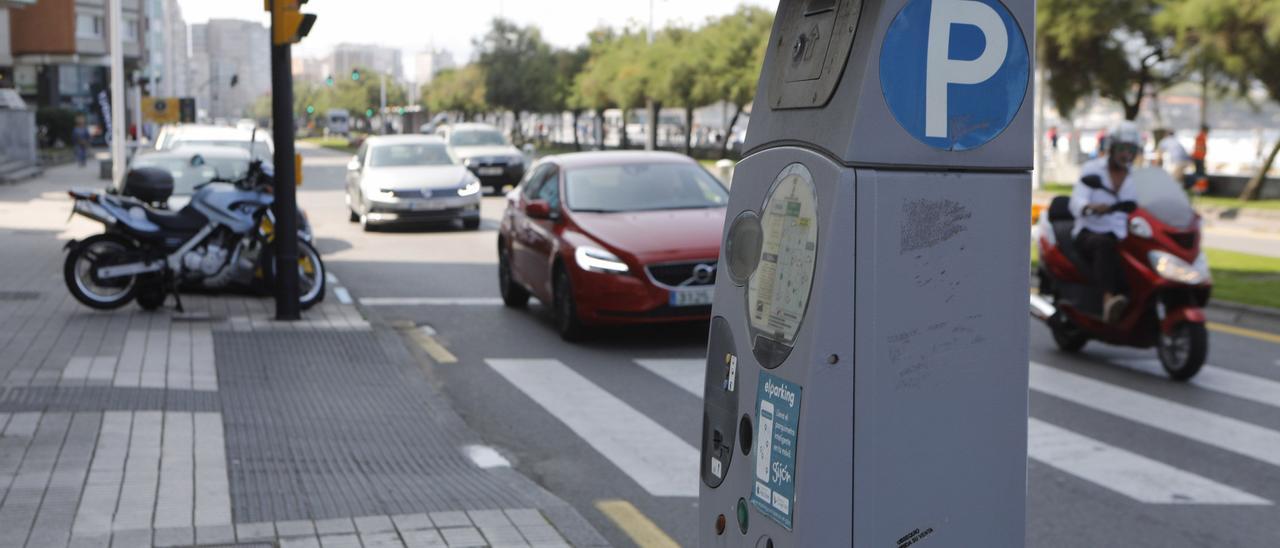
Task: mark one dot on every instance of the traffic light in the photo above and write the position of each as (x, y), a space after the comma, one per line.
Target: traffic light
(288, 25)
(355, 75)
(311, 109)
(329, 81)
(368, 113)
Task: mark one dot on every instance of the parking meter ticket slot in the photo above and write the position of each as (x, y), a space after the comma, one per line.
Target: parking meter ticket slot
(778, 420)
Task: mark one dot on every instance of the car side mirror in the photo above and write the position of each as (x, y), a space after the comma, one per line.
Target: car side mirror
(354, 164)
(538, 209)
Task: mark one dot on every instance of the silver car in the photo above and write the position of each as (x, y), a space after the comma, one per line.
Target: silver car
(410, 178)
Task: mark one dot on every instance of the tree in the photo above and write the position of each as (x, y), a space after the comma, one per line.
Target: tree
(568, 64)
(627, 58)
(591, 84)
(737, 46)
(1243, 37)
(679, 61)
(519, 69)
(457, 90)
(1112, 47)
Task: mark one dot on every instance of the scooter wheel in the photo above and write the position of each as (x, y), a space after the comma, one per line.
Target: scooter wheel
(1183, 351)
(1070, 338)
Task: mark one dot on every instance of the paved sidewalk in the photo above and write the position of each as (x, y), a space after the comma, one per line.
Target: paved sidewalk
(222, 426)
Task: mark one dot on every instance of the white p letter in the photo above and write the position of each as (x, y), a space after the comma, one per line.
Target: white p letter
(942, 70)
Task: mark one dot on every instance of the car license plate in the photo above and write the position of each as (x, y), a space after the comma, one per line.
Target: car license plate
(700, 296)
(490, 171)
(426, 206)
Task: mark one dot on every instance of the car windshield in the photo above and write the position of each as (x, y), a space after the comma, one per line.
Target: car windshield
(411, 154)
(260, 149)
(1163, 197)
(642, 187)
(187, 176)
(476, 137)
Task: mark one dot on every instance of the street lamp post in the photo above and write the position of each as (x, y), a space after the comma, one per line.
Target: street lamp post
(116, 28)
(650, 107)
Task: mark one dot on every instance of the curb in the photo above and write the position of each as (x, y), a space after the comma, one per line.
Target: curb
(1240, 309)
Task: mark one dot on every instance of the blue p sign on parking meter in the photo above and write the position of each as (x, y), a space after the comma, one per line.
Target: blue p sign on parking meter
(954, 72)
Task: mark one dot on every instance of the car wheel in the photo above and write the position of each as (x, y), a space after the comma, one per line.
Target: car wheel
(352, 216)
(513, 294)
(566, 310)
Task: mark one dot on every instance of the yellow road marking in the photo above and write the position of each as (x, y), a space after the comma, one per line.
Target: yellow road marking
(1244, 332)
(432, 347)
(627, 517)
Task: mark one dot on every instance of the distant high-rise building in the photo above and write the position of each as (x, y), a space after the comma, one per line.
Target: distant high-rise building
(166, 52)
(311, 69)
(230, 69)
(427, 64)
(348, 57)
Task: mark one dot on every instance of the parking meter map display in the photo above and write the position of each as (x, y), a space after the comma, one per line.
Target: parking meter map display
(778, 420)
(778, 292)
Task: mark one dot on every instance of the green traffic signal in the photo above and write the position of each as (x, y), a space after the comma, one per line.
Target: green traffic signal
(311, 109)
(368, 113)
(355, 76)
(328, 81)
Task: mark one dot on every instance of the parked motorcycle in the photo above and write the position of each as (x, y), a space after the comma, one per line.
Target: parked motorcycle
(222, 238)
(1166, 272)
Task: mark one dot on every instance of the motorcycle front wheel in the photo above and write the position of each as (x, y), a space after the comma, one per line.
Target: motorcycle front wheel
(1183, 351)
(80, 271)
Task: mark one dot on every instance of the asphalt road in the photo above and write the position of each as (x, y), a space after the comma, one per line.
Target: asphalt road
(1120, 456)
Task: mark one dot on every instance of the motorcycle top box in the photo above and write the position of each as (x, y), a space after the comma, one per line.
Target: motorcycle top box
(151, 185)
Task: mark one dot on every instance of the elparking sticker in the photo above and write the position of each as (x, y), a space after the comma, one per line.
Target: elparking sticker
(778, 420)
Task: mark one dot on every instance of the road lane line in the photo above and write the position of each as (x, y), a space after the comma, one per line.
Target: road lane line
(431, 301)
(427, 341)
(1218, 379)
(1245, 332)
(1226, 433)
(688, 374)
(485, 456)
(1126, 473)
(653, 457)
(342, 294)
(643, 531)
(1119, 470)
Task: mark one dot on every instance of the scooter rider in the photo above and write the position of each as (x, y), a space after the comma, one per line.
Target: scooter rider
(1099, 226)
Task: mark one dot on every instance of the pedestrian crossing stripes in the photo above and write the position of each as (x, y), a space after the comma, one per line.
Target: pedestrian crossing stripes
(657, 460)
(1128, 473)
(1218, 379)
(1225, 433)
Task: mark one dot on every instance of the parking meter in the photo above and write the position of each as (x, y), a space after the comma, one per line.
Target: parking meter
(866, 379)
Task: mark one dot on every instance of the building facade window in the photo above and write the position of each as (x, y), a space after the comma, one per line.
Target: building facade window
(88, 26)
(130, 25)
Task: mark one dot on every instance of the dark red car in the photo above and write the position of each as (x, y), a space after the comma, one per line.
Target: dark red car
(613, 238)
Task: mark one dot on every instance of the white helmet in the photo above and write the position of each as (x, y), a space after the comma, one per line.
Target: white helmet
(1125, 132)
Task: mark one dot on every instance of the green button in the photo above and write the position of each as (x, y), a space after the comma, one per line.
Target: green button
(742, 515)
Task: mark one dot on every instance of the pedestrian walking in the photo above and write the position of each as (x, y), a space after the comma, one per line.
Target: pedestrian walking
(1173, 156)
(1201, 151)
(80, 141)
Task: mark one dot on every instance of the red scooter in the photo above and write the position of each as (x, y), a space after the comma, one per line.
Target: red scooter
(1166, 273)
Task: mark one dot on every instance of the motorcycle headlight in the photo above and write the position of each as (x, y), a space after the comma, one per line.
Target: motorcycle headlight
(1140, 227)
(1171, 268)
(470, 186)
(595, 259)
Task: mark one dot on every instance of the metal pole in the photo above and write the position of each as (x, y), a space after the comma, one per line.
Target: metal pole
(137, 110)
(1038, 161)
(382, 100)
(285, 206)
(650, 108)
(118, 98)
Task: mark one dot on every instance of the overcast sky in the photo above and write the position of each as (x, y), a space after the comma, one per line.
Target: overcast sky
(414, 25)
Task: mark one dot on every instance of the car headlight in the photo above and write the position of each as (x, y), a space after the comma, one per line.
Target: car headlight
(382, 195)
(467, 161)
(1140, 227)
(470, 186)
(595, 259)
(1170, 267)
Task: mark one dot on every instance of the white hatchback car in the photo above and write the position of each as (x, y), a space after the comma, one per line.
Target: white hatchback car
(410, 178)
